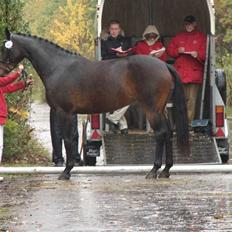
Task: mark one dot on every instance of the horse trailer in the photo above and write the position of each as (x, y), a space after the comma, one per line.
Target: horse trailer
(209, 135)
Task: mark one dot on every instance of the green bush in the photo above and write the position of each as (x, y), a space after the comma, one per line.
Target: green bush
(21, 146)
(19, 143)
(225, 62)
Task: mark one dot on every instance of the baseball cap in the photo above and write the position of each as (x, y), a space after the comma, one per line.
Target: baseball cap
(190, 19)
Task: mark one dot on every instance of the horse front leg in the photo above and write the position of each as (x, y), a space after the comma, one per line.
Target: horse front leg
(67, 136)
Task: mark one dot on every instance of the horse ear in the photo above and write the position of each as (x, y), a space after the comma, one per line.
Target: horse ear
(7, 33)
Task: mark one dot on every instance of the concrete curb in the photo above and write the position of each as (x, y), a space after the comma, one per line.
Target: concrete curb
(201, 168)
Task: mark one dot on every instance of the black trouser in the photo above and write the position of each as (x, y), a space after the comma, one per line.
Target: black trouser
(56, 136)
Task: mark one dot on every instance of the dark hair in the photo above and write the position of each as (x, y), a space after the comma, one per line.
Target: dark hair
(114, 21)
(190, 19)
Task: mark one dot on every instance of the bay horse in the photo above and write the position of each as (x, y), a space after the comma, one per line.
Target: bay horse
(74, 84)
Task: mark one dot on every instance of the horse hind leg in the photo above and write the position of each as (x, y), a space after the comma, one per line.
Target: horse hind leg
(168, 151)
(158, 125)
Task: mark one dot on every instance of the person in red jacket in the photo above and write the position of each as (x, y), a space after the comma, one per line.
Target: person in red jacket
(189, 50)
(7, 86)
(150, 45)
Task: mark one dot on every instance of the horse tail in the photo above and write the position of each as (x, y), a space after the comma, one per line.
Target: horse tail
(180, 112)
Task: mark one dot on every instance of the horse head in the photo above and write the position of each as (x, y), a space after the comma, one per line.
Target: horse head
(11, 54)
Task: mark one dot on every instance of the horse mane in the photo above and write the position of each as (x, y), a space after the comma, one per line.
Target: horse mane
(49, 42)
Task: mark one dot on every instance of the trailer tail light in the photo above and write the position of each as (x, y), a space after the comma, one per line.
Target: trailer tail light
(95, 135)
(220, 133)
(220, 116)
(95, 121)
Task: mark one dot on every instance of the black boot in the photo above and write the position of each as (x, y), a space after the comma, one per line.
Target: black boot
(112, 126)
(124, 131)
(56, 137)
(59, 164)
(79, 163)
(75, 139)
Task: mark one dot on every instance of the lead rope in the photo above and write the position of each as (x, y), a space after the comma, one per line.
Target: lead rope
(24, 77)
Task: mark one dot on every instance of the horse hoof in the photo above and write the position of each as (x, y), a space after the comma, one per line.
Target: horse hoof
(64, 176)
(164, 175)
(151, 175)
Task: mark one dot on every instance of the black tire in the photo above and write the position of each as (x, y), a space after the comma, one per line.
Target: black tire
(220, 80)
(223, 143)
(89, 161)
(224, 158)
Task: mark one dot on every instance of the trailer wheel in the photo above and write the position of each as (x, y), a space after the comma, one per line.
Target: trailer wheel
(88, 160)
(221, 83)
(223, 146)
(224, 158)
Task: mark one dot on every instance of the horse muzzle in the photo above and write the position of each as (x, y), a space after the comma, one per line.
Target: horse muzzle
(5, 68)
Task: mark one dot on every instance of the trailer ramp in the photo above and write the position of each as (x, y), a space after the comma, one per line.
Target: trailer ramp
(139, 149)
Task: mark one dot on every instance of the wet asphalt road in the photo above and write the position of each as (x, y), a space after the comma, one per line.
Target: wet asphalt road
(188, 203)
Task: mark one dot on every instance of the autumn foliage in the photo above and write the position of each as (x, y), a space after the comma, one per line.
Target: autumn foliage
(73, 28)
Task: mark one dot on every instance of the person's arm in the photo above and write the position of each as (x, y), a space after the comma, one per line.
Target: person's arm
(14, 87)
(9, 78)
(200, 52)
(17, 86)
(162, 55)
(201, 56)
(138, 49)
(173, 49)
(106, 53)
(103, 49)
(126, 44)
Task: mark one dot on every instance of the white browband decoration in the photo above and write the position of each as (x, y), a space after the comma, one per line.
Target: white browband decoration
(8, 44)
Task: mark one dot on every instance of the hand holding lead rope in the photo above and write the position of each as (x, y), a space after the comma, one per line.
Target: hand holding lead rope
(28, 80)
(25, 76)
(21, 67)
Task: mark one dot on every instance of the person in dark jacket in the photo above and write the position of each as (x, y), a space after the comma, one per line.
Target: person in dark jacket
(57, 139)
(116, 46)
(115, 40)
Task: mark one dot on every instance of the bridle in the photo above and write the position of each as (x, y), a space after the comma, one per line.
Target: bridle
(6, 66)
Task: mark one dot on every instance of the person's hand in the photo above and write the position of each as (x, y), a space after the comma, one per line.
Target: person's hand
(119, 49)
(121, 54)
(194, 54)
(181, 49)
(21, 68)
(28, 82)
(159, 54)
